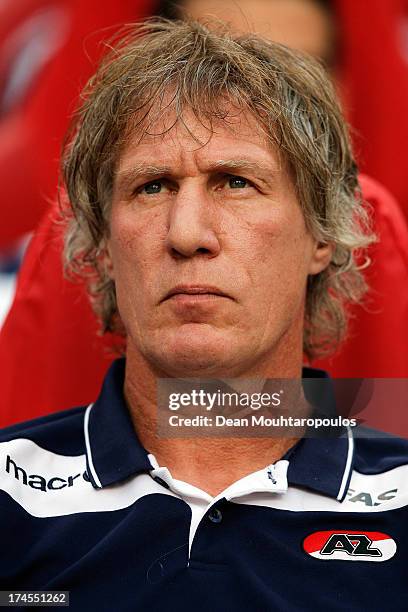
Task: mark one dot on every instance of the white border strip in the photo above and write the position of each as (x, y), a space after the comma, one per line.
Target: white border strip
(348, 464)
(88, 447)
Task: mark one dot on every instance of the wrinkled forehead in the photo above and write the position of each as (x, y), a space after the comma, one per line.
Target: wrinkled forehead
(228, 128)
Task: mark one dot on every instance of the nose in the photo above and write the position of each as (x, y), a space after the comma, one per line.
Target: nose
(192, 225)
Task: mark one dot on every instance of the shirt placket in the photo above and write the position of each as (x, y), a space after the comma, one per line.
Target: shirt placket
(270, 480)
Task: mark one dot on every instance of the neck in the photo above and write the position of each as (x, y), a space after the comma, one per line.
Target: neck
(211, 464)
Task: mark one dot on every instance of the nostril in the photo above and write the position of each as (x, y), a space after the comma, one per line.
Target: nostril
(180, 255)
(177, 254)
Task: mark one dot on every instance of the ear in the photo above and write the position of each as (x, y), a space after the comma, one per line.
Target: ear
(321, 257)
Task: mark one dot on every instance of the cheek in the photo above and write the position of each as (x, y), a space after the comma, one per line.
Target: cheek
(277, 242)
(135, 246)
(277, 250)
(135, 241)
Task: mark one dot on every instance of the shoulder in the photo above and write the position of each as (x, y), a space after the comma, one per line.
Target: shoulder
(377, 452)
(380, 471)
(61, 432)
(42, 456)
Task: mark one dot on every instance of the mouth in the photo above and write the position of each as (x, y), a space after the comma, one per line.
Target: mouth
(195, 292)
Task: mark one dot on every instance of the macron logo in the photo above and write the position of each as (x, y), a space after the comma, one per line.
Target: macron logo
(36, 481)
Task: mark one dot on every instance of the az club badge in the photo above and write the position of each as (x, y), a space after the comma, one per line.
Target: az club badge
(350, 545)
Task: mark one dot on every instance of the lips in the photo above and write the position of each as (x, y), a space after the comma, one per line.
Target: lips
(195, 290)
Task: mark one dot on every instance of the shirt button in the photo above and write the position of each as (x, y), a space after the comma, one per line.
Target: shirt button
(215, 515)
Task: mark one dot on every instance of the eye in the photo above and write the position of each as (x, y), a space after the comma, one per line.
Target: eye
(237, 182)
(152, 188)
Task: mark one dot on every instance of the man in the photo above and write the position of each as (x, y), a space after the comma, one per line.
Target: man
(54, 312)
(215, 216)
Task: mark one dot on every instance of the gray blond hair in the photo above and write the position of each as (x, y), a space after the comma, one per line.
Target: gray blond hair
(295, 104)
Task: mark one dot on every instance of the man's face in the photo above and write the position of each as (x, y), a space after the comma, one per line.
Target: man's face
(209, 249)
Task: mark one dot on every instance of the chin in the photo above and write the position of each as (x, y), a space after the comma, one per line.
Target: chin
(192, 353)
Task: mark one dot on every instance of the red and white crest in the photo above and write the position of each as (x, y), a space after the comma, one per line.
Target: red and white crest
(350, 545)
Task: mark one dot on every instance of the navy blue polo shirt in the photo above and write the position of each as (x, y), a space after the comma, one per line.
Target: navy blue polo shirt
(85, 508)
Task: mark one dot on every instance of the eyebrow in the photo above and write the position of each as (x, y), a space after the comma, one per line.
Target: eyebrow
(245, 164)
(125, 178)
